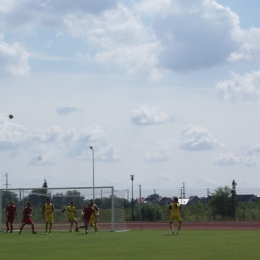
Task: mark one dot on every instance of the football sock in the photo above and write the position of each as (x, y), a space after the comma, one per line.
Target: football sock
(179, 227)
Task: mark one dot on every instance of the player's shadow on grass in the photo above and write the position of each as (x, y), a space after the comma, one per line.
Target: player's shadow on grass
(170, 235)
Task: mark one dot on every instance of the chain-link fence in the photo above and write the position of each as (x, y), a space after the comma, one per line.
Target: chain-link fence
(221, 204)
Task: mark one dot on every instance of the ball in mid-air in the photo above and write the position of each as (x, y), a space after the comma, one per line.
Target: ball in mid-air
(11, 116)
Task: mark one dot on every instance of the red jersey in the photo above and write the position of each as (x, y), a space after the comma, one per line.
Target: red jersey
(87, 212)
(26, 216)
(11, 211)
(27, 212)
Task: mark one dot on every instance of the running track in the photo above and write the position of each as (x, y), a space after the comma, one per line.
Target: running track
(197, 225)
(145, 225)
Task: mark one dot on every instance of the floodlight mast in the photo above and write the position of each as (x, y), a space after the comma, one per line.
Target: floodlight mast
(132, 179)
(91, 147)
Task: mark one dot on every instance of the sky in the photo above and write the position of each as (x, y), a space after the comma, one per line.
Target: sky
(167, 91)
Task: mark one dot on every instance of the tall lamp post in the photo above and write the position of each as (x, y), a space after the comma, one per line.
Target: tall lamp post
(93, 171)
(132, 179)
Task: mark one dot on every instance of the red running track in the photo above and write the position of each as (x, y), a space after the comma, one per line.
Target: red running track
(214, 225)
(221, 225)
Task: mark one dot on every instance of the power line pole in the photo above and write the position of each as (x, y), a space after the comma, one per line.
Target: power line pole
(183, 189)
(6, 181)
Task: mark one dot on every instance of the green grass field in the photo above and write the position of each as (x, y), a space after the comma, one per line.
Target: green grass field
(148, 244)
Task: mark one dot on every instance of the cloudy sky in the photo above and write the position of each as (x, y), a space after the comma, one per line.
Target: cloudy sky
(168, 91)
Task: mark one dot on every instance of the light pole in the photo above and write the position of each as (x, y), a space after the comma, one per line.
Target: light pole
(132, 179)
(140, 207)
(93, 171)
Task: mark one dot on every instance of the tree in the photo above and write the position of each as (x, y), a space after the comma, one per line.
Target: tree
(195, 212)
(233, 196)
(149, 211)
(8, 196)
(154, 196)
(37, 197)
(221, 203)
(62, 200)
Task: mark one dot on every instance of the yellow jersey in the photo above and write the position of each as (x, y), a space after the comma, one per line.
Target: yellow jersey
(175, 209)
(48, 208)
(71, 211)
(95, 207)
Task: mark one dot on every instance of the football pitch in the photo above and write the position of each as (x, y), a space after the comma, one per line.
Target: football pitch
(148, 244)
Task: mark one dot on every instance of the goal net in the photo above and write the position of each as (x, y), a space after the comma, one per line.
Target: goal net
(109, 201)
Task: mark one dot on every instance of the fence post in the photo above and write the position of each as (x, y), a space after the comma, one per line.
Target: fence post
(1, 210)
(208, 202)
(20, 208)
(154, 214)
(140, 207)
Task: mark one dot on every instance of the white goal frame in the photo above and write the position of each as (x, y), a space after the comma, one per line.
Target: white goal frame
(19, 190)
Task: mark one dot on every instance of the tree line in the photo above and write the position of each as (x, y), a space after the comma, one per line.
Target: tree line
(221, 205)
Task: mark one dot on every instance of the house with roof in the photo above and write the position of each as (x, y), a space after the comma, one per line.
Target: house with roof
(192, 200)
(249, 198)
(165, 201)
(183, 201)
(140, 200)
(154, 198)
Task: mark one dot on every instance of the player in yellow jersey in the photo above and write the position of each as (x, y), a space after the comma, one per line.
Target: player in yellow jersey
(71, 216)
(175, 215)
(93, 218)
(48, 210)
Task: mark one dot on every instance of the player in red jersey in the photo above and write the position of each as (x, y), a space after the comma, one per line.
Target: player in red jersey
(10, 214)
(27, 220)
(87, 212)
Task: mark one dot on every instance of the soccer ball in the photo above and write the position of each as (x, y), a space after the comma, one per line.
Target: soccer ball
(11, 116)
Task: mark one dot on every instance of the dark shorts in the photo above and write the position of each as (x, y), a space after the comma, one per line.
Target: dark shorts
(10, 219)
(86, 220)
(27, 221)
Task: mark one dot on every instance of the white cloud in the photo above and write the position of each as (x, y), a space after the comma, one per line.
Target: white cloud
(68, 135)
(166, 178)
(257, 148)
(91, 134)
(156, 156)
(108, 153)
(120, 38)
(144, 115)
(65, 110)
(192, 34)
(249, 49)
(46, 57)
(61, 143)
(90, 6)
(6, 5)
(28, 13)
(11, 135)
(77, 145)
(13, 59)
(198, 138)
(143, 37)
(230, 159)
(160, 153)
(240, 88)
(203, 181)
(49, 135)
(251, 149)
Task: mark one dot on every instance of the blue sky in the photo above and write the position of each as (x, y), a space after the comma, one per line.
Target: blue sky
(166, 90)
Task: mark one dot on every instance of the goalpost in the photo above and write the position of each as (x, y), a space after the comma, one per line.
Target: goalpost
(109, 201)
